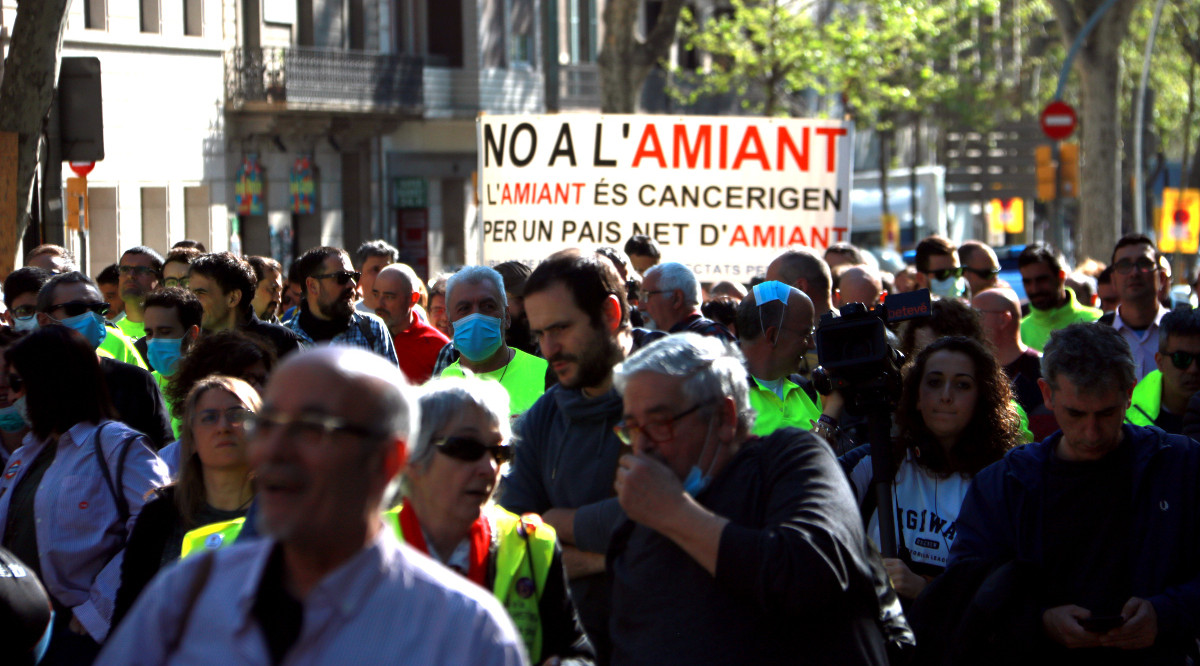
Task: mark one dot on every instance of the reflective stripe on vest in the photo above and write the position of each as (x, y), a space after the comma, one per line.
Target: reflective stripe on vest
(211, 537)
(516, 585)
(1146, 402)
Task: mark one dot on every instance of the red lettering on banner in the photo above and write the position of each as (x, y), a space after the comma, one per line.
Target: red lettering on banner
(764, 239)
(778, 236)
(785, 141)
(759, 153)
(692, 153)
(650, 135)
(831, 134)
(523, 193)
(505, 194)
(739, 236)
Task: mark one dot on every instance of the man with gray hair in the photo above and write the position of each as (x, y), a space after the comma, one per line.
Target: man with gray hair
(671, 297)
(478, 310)
(328, 584)
(1102, 516)
(753, 544)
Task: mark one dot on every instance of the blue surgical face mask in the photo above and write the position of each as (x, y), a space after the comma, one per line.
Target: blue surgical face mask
(696, 481)
(164, 354)
(13, 418)
(90, 325)
(25, 324)
(477, 336)
(950, 288)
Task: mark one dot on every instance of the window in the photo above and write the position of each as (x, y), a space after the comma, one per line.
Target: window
(151, 20)
(155, 222)
(95, 14)
(193, 18)
(521, 19)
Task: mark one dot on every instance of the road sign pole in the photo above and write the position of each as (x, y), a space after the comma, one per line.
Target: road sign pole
(1056, 206)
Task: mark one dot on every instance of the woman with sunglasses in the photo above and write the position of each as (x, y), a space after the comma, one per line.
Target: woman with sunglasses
(956, 416)
(72, 491)
(447, 513)
(214, 482)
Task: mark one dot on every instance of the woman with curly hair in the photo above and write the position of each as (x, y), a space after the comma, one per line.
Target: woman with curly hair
(956, 416)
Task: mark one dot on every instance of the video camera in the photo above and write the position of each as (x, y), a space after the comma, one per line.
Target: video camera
(854, 354)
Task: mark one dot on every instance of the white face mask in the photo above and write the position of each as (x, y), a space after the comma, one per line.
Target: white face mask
(15, 416)
(950, 288)
(25, 324)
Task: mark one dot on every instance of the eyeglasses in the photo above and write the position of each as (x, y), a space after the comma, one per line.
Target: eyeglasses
(343, 277)
(1143, 265)
(234, 415)
(176, 282)
(658, 431)
(946, 273)
(1181, 360)
(24, 311)
(647, 294)
(469, 449)
(137, 271)
(76, 308)
(307, 427)
(15, 383)
(984, 273)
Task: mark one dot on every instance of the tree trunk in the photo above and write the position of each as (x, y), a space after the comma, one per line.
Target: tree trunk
(1099, 223)
(625, 60)
(30, 73)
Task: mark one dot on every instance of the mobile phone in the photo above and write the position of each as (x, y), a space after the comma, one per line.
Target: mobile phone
(1098, 624)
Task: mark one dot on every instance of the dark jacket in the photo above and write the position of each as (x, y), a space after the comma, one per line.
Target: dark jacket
(795, 577)
(1191, 418)
(155, 536)
(138, 402)
(1001, 520)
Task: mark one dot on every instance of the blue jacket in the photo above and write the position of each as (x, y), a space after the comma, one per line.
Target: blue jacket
(1001, 520)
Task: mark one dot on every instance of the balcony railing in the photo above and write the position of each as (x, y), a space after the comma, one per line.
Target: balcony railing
(306, 78)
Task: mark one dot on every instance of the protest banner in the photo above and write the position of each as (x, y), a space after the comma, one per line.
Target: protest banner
(723, 195)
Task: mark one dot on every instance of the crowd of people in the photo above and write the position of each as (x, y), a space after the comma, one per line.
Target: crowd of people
(597, 459)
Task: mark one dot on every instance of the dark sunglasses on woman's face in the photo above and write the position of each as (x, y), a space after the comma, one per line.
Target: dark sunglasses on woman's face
(469, 449)
(76, 308)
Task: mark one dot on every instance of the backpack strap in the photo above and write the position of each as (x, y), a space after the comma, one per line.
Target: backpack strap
(116, 487)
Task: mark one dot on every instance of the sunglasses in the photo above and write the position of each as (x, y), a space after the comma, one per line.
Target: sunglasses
(76, 308)
(984, 273)
(1181, 360)
(15, 383)
(469, 449)
(343, 277)
(1144, 265)
(946, 273)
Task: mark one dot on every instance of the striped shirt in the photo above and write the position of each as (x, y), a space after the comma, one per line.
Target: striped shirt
(79, 543)
(386, 604)
(366, 331)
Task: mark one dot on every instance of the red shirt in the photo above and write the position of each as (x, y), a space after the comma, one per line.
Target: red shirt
(417, 348)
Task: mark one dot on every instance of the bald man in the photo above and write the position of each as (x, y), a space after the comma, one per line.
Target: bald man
(328, 576)
(1000, 309)
(858, 284)
(980, 266)
(417, 343)
(778, 321)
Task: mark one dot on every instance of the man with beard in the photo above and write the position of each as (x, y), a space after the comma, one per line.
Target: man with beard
(327, 313)
(517, 335)
(225, 286)
(417, 343)
(565, 465)
(269, 289)
(475, 303)
(1053, 303)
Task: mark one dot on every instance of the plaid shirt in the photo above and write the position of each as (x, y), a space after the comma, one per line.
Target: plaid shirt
(366, 331)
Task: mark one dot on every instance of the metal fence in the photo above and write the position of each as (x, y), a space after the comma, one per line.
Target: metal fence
(318, 78)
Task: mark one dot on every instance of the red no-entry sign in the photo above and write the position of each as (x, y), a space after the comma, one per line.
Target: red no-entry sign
(1058, 120)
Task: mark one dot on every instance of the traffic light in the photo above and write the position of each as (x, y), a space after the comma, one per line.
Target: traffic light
(1045, 173)
(1068, 160)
